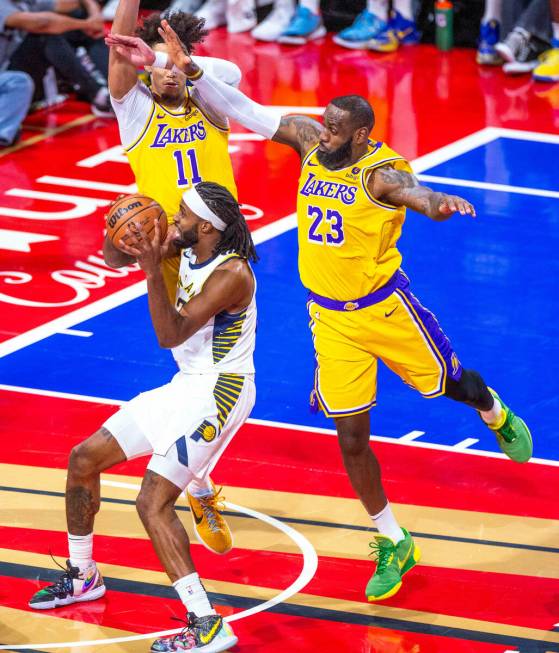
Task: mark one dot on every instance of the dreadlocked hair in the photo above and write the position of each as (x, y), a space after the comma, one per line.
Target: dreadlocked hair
(236, 236)
(189, 28)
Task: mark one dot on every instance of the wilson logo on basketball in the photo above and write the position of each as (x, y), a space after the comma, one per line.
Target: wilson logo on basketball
(121, 211)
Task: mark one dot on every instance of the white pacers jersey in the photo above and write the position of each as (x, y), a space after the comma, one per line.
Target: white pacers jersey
(226, 342)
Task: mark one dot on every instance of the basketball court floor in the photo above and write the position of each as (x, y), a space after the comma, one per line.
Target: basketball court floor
(76, 341)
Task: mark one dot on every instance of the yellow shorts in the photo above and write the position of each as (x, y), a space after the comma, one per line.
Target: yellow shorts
(399, 331)
(170, 270)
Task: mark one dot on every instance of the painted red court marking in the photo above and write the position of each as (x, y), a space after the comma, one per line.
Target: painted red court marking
(441, 479)
(143, 614)
(501, 598)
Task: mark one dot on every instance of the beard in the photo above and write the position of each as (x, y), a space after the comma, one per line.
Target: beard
(187, 239)
(337, 158)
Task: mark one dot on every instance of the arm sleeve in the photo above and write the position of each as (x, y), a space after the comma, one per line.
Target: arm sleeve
(232, 103)
(227, 71)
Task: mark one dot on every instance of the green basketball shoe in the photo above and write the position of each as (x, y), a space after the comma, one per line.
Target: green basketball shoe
(512, 434)
(393, 561)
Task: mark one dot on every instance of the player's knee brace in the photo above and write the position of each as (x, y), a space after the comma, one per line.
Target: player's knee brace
(471, 390)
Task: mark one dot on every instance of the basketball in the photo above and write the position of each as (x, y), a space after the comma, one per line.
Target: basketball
(135, 208)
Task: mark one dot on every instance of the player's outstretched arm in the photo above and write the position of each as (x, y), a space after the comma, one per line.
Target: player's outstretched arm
(122, 72)
(401, 188)
(299, 132)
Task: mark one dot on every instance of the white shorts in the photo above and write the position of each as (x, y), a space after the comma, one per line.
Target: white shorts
(186, 423)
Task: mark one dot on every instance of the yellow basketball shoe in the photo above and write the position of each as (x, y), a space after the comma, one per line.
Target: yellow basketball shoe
(210, 527)
(548, 69)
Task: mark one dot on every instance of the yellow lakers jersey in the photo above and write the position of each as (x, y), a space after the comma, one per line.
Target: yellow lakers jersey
(176, 150)
(347, 238)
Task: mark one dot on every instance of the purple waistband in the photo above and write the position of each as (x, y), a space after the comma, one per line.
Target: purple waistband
(356, 304)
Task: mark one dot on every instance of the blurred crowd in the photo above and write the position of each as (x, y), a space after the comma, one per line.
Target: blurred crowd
(49, 47)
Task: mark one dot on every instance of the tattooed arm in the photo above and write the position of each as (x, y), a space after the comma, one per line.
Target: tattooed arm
(401, 188)
(299, 132)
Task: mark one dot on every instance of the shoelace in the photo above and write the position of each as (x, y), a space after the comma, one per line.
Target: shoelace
(186, 633)
(382, 553)
(61, 584)
(211, 506)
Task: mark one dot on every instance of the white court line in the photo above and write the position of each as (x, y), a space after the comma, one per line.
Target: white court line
(522, 135)
(484, 185)
(310, 564)
(465, 444)
(76, 332)
(88, 185)
(74, 317)
(409, 437)
(285, 425)
(259, 235)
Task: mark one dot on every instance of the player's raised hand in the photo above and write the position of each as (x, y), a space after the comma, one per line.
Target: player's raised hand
(132, 48)
(453, 204)
(175, 48)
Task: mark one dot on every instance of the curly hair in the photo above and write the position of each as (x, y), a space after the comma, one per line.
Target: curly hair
(236, 236)
(188, 27)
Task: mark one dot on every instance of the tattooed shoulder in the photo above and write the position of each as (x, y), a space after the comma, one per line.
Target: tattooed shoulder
(393, 177)
(299, 131)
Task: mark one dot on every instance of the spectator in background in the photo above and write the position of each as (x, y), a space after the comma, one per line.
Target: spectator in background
(527, 24)
(489, 34)
(305, 24)
(548, 69)
(377, 28)
(31, 41)
(238, 15)
(276, 22)
(16, 91)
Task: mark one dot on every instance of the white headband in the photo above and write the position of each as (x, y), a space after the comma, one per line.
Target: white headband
(193, 200)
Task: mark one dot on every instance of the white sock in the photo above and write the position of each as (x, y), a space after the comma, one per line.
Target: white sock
(387, 524)
(555, 31)
(403, 7)
(492, 11)
(80, 549)
(200, 488)
(193, 595)
(311, 5)
(492, 415)
(379, 8)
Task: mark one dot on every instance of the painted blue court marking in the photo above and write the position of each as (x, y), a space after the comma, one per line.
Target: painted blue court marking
(506, 161)
(490, 281)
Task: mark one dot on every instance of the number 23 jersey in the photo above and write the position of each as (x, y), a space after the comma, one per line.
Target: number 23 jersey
(347, 238)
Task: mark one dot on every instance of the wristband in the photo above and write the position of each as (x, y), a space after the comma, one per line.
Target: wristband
(161, 59)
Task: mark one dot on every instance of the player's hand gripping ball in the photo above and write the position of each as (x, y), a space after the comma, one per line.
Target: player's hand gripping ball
(134, 208)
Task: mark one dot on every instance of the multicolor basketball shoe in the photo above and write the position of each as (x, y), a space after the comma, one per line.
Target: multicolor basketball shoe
(393, 561)
(399, 31)
(489, 34)
(303, 27)
(201, 635)
(211, 529)
(548, 67)
(73, 586)
(365, 27)
(513, 436)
